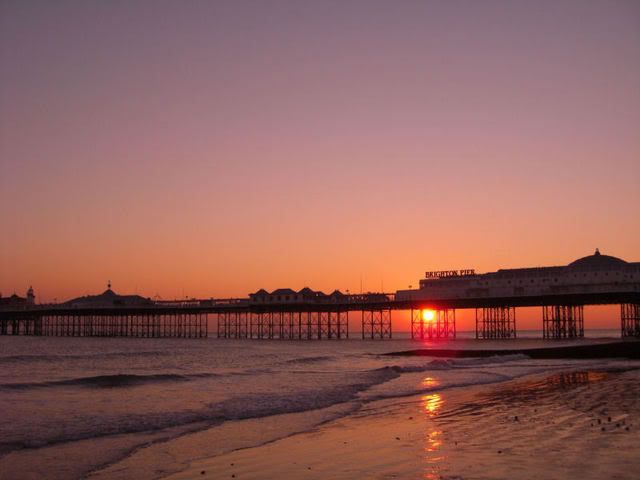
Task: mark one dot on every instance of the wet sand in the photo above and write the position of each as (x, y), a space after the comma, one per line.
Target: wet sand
(582, 424)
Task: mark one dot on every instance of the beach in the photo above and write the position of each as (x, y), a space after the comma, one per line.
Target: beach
(582, 424)
(152, 409)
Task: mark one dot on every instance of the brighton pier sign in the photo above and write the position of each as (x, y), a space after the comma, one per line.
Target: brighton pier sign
(450, 273)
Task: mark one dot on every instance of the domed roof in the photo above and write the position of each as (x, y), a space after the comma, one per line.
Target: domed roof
(597, 260)
(108, 292)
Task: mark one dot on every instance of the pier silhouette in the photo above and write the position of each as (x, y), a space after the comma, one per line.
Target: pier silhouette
(561, 292)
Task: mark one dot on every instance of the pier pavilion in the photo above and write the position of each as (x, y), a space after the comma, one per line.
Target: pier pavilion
(561, 291)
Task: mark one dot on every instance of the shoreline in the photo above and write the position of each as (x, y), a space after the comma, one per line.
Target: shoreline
(620, 349)
(484, 432)
(412, 380)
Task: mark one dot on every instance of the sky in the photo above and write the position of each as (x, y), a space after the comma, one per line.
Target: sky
(212, 148)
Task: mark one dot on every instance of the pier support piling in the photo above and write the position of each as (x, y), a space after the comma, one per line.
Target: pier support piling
(376, 324)
(630, 317)
(495, 322)
(438, 324)
(113, 324)
(562, 321)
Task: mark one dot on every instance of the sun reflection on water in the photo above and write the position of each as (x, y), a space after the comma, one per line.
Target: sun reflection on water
(433, 442)
(434, 457)
(430, 382)
(432, 403)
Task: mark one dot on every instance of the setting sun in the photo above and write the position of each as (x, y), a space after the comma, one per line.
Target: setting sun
(428, 315)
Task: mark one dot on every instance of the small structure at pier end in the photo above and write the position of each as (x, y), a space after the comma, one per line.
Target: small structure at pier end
(104, 315)
(15, 301)
(561, 291)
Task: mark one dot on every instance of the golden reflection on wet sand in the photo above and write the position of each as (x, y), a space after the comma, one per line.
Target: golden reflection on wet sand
(431, 405)
(533, 389)
(436, 461)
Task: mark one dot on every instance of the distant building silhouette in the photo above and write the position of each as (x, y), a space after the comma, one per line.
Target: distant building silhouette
(108, 298)
(287, 295)
(17, 301)
(31, 297)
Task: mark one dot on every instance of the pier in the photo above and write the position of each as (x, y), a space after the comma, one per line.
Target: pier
(561, 293)
(562, 318)
(106, 322)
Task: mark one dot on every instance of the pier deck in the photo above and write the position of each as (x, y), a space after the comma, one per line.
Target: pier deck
(238, 318)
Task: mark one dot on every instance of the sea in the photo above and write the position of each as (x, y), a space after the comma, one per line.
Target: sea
(76, 407)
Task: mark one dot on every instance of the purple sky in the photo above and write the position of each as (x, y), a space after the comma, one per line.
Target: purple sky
(214, 148)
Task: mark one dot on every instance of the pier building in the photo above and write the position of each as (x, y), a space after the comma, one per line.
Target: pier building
(562, 291)
(285, 296)
(590, 274)
(108, 298)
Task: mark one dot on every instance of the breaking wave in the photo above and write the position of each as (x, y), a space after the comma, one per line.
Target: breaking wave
(307, 360)
(234, 408)
(108, 381)
(451, 363)
(58, 357)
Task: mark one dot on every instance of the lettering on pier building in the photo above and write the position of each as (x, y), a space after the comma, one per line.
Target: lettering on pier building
(450, 273)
